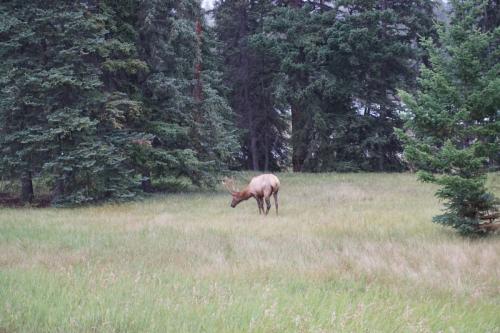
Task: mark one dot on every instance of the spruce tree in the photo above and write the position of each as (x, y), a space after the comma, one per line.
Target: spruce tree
(251, 72)
(52, 97)
(99, 95)
(342, 63)
(188, 116)
(453, 121)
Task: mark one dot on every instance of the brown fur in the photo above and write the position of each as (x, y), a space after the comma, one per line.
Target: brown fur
(261, 188)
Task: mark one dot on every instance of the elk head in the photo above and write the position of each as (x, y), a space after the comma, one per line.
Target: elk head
(230, 186)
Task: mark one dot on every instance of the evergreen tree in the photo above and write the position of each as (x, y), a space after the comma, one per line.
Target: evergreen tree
(189, 118)
(20, 123)
(251, 65)
(53, 95)
(342, 63)
(97, 95)
(453, 126)
(298, 36)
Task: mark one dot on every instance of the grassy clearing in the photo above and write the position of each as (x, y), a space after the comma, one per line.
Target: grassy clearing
(349, 252)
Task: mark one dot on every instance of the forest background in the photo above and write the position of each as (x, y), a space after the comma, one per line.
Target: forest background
(107, 100)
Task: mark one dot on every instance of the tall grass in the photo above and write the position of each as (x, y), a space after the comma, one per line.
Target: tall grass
(348, 252)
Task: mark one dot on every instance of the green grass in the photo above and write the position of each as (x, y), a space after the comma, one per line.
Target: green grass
(349, 252)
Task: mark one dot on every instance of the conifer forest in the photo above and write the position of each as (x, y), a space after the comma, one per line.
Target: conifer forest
(108, 100)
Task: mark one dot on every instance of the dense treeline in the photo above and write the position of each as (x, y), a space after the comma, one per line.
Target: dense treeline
(104, 99)
(330, 69)
(107, 98)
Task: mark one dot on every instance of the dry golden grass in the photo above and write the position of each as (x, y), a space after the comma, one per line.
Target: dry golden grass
(348, 252)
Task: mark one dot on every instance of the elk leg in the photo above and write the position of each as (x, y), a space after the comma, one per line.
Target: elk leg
(268, 204)
(258, 204)
(275, 195)
(261, 202)
(261, 205)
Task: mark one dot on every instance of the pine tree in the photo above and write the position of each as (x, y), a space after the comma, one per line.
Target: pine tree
(453, 123)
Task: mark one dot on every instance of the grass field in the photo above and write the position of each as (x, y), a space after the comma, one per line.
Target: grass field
(348, 253)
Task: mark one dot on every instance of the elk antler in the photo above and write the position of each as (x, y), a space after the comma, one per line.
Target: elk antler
(229, 184)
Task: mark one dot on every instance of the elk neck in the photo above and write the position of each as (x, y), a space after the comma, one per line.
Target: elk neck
(244, 194)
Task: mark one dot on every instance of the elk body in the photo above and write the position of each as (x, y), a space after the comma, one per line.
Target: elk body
(260, 187)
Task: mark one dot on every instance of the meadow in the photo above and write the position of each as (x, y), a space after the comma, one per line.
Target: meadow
(348, 253)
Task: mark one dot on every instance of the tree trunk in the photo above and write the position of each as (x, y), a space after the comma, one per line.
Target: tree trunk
(253, 149)
(58, 189)
(253, 132)
(27, 194)
(146, 182)
(198, 87)
(296, 158)
(267, 152)
(380, 157)
(247, 107)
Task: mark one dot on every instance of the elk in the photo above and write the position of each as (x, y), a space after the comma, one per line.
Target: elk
(260, 187)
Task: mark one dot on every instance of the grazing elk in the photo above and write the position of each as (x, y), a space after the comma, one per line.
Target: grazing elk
(260, 187)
